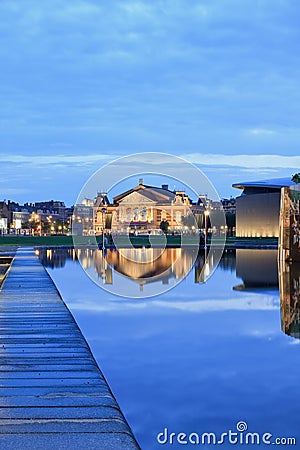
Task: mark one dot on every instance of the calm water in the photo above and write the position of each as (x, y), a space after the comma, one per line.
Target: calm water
(200, 357)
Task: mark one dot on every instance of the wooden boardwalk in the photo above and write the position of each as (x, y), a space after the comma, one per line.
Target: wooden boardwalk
(53, 395)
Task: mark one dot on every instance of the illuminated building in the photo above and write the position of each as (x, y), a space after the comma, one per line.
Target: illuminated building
(144, 208)
(258, 208)
(289, 240)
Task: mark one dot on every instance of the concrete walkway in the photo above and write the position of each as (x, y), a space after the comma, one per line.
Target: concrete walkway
(53, 395)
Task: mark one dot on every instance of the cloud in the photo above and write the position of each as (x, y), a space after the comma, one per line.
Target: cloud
(261, 131)
(217, 82)
(55, 160)
(170, 71)
(250, 161)
(247, 303)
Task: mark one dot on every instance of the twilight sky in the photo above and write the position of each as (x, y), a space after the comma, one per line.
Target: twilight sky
(83, 82)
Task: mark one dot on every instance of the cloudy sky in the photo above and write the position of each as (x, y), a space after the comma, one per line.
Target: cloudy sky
(83, 82)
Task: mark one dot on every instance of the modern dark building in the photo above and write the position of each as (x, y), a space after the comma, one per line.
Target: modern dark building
(258, 208)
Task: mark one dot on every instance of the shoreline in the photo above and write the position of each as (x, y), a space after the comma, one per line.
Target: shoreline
(10, 242)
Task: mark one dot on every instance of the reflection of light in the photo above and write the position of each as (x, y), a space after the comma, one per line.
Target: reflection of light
(206, 270)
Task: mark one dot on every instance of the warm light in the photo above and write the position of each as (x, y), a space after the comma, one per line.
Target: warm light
(206, 212)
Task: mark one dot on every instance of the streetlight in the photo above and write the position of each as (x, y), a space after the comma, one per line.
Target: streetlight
(49, 223)
(103, 210)
(206, 214)
(37, 217)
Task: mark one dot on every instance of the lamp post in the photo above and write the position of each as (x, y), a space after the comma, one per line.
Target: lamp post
(49, 223)
(206, 214)
(37, 217)
(103, 210)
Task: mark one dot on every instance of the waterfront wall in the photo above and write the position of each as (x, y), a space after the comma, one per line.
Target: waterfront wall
(257, 215)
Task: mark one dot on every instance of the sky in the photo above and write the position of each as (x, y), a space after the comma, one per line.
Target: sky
(85, 82)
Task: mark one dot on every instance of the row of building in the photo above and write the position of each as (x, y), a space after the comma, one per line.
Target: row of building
(145, 208)
(35, 218)
(255, 213)
(141, 208)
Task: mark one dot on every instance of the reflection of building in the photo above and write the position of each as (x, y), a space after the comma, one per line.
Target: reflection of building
(257, 269)
(205, 265)
(257, 209)
(143, 265)
(290, 298)
(55, 257)
(289, 242)
(102, 266)
(228, 260)
(152, 264)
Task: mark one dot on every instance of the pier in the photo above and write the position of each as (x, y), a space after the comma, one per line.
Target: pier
(52, 393)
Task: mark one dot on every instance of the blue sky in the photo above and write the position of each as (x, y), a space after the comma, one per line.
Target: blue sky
(84, 82)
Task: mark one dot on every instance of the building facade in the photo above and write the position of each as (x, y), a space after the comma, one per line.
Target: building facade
(258, 208)
(143, 208)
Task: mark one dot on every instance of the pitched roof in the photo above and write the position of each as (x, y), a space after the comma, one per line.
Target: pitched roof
(153, 193)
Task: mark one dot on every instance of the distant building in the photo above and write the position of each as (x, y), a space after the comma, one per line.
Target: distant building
(229, 208)
(19, 218)
(229, 205)
(52, 207)
(4, 217)
(144, 208)
(83, 218)
(258, 208)
(44, 217)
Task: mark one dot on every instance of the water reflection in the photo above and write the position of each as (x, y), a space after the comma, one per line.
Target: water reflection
(55, 257)
(257, 269)
(290, 298)
(228, 262)
(144, 266)
(201, 353)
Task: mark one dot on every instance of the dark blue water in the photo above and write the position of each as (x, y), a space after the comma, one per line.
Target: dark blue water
(199, 358)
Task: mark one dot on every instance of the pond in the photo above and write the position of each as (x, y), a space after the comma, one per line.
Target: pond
(198, 358)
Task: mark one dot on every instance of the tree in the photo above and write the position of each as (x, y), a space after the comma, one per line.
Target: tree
(189, 220)
(296, 178)
(164, 225)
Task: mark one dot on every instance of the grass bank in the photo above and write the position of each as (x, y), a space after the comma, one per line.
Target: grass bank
(136, 241)
(35, 240)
